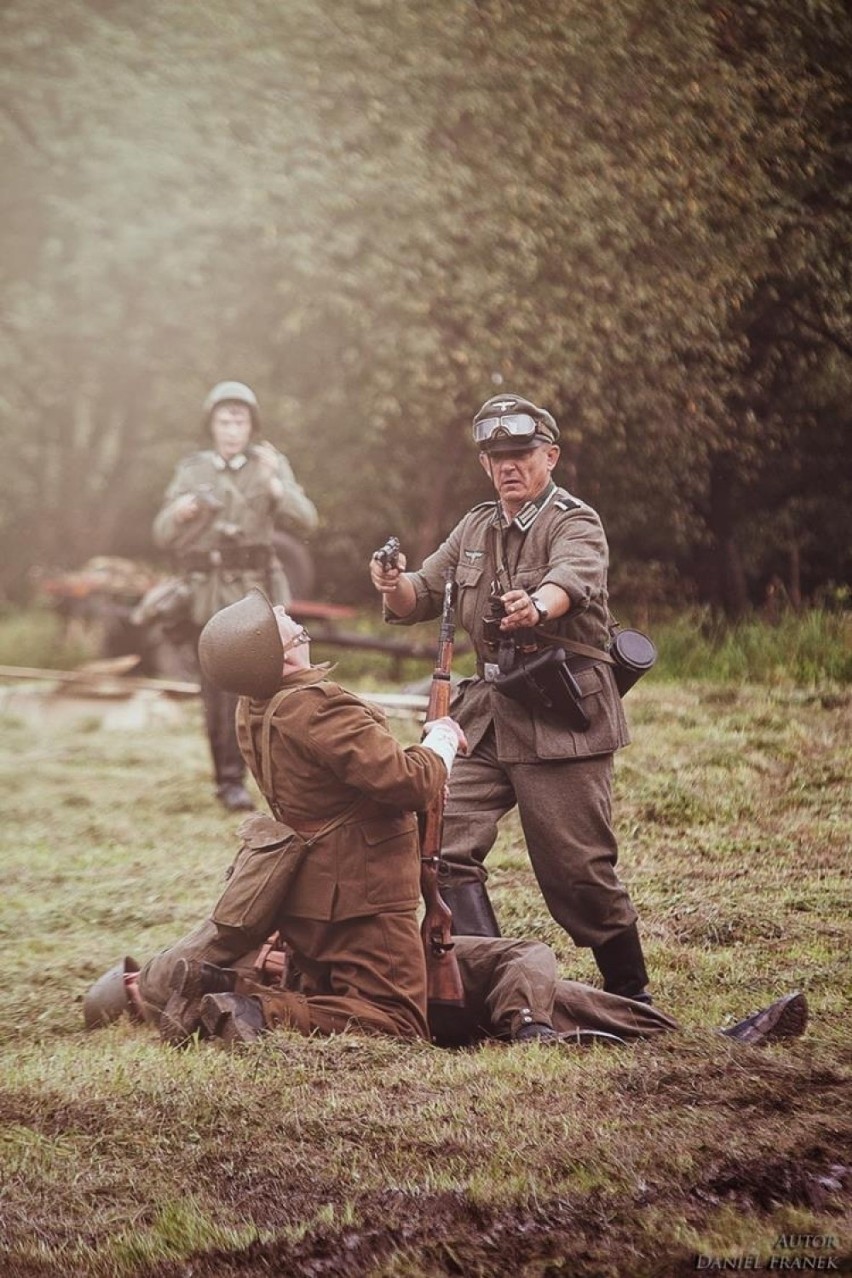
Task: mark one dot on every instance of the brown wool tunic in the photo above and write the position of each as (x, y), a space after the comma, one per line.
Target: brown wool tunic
(328, 748)
(351, 913)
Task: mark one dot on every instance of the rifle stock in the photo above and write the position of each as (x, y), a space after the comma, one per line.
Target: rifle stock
(444, 985)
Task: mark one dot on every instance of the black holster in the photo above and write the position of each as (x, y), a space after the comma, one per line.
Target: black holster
(544, 683)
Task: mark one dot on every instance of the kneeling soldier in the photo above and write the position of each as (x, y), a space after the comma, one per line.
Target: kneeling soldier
(337, 871)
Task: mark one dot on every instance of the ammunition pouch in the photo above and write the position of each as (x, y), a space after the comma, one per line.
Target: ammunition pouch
(268, 861)
(168, 603)
(544, 682)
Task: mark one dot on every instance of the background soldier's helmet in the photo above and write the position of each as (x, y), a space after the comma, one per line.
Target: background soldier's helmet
(108, 999)
(240, 648)
(232, 392)
(509, 421)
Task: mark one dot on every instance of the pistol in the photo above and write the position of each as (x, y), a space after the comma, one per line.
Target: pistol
(388, 554)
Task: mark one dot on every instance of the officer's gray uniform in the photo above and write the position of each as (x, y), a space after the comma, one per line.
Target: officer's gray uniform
(560, 779)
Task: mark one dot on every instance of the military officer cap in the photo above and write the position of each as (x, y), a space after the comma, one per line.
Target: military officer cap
(240, 648)
(508, 422)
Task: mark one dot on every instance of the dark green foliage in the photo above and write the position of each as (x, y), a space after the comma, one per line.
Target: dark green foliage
(377, 213)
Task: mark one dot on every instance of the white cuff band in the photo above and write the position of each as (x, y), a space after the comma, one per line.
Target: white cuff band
(444, 742)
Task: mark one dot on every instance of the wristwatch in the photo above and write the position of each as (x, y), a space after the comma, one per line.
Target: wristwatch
(543, 614)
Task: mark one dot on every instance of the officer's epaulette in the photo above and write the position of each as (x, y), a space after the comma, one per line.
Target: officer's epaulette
(566, 502)
(482, 505)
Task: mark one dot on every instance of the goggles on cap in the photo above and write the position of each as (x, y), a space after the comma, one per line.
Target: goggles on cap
(520, 426)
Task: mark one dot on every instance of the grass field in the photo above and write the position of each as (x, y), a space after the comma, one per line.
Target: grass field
(358, 1157)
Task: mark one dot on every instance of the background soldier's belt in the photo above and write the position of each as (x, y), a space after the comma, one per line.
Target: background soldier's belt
(227, 557)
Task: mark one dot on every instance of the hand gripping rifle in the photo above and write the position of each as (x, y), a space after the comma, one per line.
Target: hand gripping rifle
(444, 986)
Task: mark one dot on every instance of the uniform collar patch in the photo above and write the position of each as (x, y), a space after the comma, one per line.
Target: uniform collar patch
(528, 514)
(235, 463)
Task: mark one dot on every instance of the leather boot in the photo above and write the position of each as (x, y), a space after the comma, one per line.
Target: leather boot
(471, 908)
(785, 1018)
(234, 1019)
(191, 980)
(622, 965)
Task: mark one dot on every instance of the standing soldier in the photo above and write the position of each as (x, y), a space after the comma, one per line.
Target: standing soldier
(531, 569)
(218, 518)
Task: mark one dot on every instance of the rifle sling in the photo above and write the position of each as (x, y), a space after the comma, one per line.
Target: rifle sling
(262, 768)
(580, 649)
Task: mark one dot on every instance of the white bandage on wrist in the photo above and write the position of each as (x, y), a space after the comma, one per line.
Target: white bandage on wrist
(443, 741)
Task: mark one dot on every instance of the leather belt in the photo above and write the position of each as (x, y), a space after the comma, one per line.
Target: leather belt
(246, 557)
(488, 671)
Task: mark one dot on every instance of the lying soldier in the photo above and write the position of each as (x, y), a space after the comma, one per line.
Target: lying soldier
(513, 994)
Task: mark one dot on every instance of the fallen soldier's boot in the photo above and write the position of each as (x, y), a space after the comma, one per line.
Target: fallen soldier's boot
(535, 1032)
(232, 1018)
(785, 1018)
(190, 981)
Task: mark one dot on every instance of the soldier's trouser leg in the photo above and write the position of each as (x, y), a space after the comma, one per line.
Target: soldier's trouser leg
(366, 975)
(219, 713)
(212, 944)
(580, 1006)
(565, 809)
(507, 983)
(480, 795)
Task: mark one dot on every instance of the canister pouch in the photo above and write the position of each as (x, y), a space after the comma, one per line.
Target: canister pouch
(633, 655)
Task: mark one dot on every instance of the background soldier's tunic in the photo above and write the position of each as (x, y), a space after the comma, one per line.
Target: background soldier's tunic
(237, 527)
(351, 913)
(560, 779)
(248, 516)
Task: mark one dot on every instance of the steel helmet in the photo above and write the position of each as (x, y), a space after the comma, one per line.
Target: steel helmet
(240, 648)
(108, 999)
(232, 392)
(506, 422)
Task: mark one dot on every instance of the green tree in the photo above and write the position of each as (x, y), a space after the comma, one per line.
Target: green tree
(380, 213)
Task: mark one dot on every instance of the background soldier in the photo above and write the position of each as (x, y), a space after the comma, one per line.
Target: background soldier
(534, 559)
(218, 519)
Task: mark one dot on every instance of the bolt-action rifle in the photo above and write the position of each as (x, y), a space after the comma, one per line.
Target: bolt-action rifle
(444, 986)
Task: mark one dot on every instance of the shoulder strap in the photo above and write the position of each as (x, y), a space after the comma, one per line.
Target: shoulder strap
(580, 649)
(262, 769)
(565, 501)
